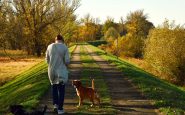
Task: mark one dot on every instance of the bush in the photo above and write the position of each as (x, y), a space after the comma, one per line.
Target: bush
(111, 34)
(97, 42)
(165, 50)
(129, 46)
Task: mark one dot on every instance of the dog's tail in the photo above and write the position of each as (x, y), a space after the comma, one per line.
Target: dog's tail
(93, 84)
(45, 108)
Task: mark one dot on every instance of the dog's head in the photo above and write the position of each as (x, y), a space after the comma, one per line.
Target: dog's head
(76, 83)
(16, 109)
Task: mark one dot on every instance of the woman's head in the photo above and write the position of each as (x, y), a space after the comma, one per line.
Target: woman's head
(59, 38)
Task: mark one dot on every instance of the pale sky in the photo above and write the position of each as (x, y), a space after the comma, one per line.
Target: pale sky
(157, 10)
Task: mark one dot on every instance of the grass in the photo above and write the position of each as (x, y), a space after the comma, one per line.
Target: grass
(91, 69)
(27, 89)
(170, 99)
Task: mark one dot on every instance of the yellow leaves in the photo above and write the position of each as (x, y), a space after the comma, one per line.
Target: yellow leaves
(88, 31)
(26, 31)
(164, 49)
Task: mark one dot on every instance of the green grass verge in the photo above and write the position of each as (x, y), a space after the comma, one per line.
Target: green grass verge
(170, 99)
(27, 89)
(91, 69)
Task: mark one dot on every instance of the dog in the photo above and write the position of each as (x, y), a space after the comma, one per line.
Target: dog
(85, 92)
(19, 110)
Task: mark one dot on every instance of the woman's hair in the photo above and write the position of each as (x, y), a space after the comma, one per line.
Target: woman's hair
(59, 37)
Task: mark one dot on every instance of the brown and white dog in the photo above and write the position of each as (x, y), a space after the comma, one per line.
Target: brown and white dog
(85, 92)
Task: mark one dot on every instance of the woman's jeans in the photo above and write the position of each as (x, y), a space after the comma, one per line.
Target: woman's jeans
(58, 91)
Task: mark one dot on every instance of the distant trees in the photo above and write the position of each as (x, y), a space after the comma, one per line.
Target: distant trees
(133, 31)
(165, 50)
(90, 29)
(138, 24)
(35, 22)
(111, 34)
(108, 24)
(138, 28)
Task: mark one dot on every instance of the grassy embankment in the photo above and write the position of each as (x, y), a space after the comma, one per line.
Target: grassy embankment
(9, 68)
(27, 88)
(170, 99)
(91, 69)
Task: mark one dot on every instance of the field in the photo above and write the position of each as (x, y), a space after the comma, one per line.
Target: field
(10, 68)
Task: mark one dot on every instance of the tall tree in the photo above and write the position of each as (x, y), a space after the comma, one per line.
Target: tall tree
(108, 24)
(36, 16)
(89, 29)
(138, 28)
(137, 23)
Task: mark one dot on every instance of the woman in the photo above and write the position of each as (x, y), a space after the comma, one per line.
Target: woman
(57, 57)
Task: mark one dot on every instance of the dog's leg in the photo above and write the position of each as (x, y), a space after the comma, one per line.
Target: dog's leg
(92, 100)
(80, 102)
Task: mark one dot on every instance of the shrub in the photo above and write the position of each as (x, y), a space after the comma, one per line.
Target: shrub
(97, 42)
(166, 52)
(129, 46)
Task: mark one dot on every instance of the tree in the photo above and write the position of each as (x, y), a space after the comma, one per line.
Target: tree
(39, 16)
(122, 27)
(138, 28)
(89, 29)
(4, 10)
(166, 52)
(111, 34)
(108, 24)
(138, 24)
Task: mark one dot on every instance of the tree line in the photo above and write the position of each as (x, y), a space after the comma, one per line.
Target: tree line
(31, 25)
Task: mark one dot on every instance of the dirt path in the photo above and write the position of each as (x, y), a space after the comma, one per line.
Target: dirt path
(70, 96)
(126, 98)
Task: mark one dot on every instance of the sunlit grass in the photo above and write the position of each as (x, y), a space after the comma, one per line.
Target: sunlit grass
(9, 69)
(26, 89)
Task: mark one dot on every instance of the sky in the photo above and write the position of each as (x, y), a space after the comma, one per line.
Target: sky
(157, 10)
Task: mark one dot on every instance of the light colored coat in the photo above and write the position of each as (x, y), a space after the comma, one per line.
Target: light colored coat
(57, 56)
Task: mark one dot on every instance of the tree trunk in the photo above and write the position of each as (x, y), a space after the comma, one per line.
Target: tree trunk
(38, 50)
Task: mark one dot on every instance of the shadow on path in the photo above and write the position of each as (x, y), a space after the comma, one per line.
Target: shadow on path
(126, 98)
